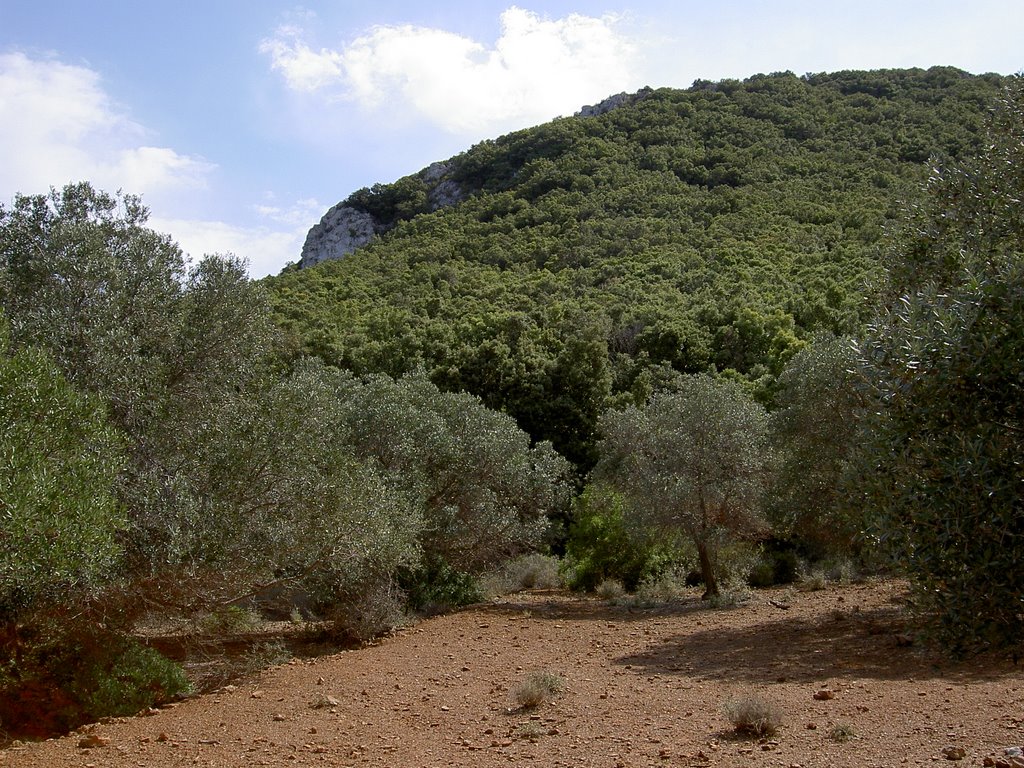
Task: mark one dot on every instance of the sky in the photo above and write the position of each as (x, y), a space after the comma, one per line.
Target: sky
(241, 122)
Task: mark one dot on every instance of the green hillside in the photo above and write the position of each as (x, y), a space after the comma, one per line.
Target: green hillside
(707, 229)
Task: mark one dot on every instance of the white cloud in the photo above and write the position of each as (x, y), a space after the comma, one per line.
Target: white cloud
(267, 247)
(538, 68)
(58, 125)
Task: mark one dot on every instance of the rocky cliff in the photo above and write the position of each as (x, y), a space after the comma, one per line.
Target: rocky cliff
(354, 222)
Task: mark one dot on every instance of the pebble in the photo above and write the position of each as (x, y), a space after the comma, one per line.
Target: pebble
(92, 740)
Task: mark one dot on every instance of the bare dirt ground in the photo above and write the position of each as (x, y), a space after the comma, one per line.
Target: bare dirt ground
(644, 687)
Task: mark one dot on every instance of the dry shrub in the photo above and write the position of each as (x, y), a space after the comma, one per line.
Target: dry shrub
(538, 688)
(842, 732)
(753, 716)
(610, 589)
(534, 571)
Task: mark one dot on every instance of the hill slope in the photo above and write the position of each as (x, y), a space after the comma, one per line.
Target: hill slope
(584, 260)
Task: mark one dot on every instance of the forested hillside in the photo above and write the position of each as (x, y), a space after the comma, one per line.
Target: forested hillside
(708, 229)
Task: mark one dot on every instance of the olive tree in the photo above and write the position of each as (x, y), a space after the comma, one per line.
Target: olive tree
(169, 349)
(485, 492)
(943, 461)
(691, 462)
(814, 428)
(59, 460)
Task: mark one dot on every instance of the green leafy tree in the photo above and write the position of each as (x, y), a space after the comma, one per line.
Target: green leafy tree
(691, 462)
(485, 492)
(716, 227)
(604, 544)
(815, 429)
(170, 350)
(943, 466)
(59, 461)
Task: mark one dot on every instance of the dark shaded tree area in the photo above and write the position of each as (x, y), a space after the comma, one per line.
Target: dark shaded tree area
(941, 462)
(712, 229)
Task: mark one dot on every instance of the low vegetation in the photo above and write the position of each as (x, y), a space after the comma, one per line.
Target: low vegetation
(538, 688)
(753, 716)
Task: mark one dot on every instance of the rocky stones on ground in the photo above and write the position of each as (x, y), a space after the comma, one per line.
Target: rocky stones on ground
(91, 741)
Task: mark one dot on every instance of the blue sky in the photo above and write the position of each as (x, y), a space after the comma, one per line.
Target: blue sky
(241, 123)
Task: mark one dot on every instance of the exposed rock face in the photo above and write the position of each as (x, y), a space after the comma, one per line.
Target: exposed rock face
(340, 231)
(612, 102)
(605, 106)
(343, 229)
(443, 191)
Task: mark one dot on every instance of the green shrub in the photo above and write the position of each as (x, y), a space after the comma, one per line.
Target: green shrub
(436, 587)
(602, 546)
(58, 474)
(125, 679)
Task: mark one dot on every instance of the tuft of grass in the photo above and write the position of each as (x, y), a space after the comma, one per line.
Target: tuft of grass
(842, 733)
(814, 581)
(530, 730)
(753, 716)
(538, 687)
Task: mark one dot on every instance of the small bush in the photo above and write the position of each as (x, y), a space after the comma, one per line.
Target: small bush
(842, 733)
(371, 610)
(813, 581)
(437, 587)
(128, 681)
(610, 589)
(662, 589)
(842, 570)
(538, 688)
(231, 620)
(753, 716)
(729, 597)
(533, 571)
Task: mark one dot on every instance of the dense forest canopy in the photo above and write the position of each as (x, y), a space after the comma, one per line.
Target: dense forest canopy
(708, 229)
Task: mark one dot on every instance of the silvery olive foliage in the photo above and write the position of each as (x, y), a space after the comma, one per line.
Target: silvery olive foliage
(485, 492)
(691, 462)
(239, 474)
(942, 466)
(59, 459)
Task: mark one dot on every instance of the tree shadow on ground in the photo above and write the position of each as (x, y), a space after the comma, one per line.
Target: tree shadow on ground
(849, 642)
(863, 644)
